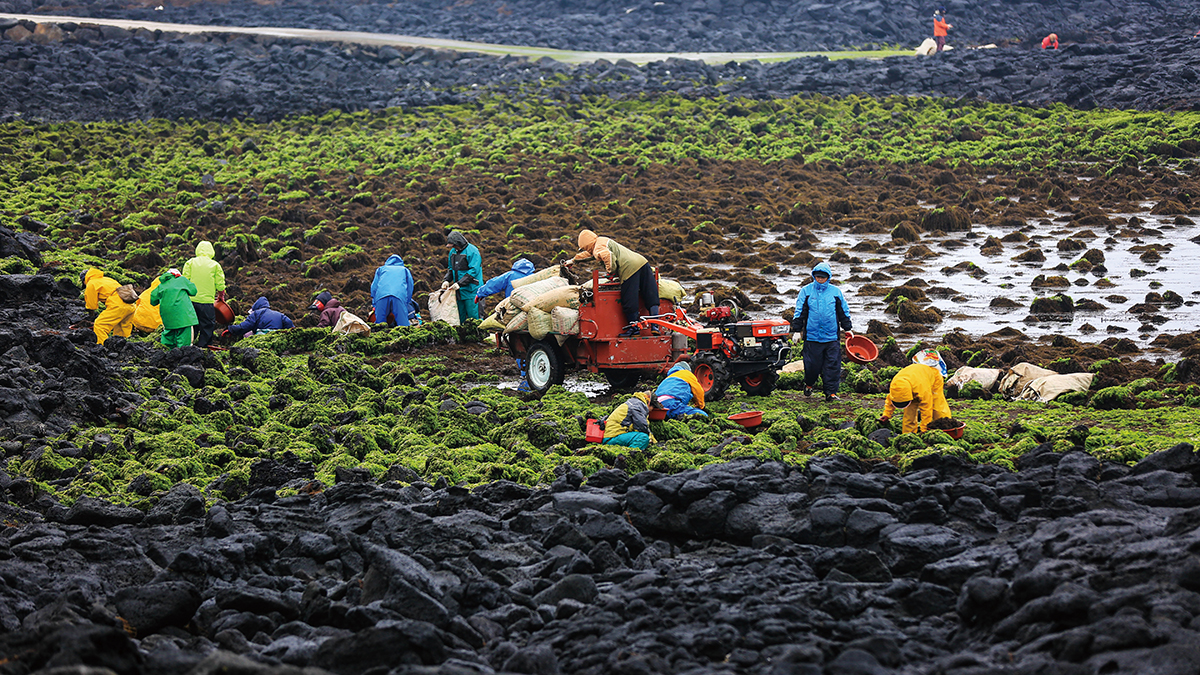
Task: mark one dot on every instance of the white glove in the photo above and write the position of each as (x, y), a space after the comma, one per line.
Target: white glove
(454, 287)
(445, 285)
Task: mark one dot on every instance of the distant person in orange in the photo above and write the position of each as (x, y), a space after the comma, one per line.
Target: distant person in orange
(1050, 41)
(940, 27)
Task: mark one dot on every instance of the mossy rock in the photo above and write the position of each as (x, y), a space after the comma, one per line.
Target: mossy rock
(1114, 398)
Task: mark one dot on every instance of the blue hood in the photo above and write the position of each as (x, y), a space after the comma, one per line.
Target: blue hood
(822, 267)
(261, 303)
(395, 259)
(523, 266)
(678, 367)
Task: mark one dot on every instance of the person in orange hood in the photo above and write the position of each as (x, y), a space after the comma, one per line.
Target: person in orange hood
(1050, 41)
(636, 274)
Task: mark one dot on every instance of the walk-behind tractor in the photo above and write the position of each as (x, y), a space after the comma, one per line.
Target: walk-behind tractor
(723, 349)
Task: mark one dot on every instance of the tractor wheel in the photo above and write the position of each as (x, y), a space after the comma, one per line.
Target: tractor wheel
(710, 371)
(622, 378)
(545, 367)
(760, 384)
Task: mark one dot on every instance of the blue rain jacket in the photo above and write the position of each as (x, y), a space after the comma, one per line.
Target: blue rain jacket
(503, 282)
(821, 309)
(674, 394)
(261, 318)
(393, 279)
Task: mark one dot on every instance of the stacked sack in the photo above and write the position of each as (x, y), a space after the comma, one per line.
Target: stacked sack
(541, 304)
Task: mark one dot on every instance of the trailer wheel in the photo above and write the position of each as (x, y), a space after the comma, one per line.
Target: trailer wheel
(622, 378)
(545, 367)
(760, 384)
(711, 373)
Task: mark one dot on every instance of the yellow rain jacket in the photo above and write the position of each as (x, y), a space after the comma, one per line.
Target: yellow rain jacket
(632, 415)
(146, 317)
(922, 385)
(117, 317)
(206, 273)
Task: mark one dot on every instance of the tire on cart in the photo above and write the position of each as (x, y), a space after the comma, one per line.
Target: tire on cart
(622, 379)
(712, 374)
(545, 367)
(760, 383)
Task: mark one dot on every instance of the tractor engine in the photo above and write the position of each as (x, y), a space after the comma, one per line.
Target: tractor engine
(766, 340)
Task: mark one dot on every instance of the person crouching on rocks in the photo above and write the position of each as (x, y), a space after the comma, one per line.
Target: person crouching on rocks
(1050, 41)
(637, 277)
(261, 319)
(117, 317)
(676, 393)
(917, 389)
(331, 311)
(173, 297)
(391, 292)
(629, 424)
(209, 279)
(820, 310)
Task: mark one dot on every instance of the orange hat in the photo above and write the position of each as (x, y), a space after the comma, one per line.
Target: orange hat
(587, 240)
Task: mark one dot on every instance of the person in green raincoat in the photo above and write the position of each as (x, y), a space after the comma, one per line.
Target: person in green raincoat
(464, 268)
(173, 296)
(209, 279)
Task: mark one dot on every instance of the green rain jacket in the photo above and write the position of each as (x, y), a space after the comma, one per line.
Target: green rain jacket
(173, 297)
(206, 273)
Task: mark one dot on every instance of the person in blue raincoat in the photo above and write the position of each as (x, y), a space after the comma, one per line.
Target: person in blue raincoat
(679, 391)
(820, 310)
(391, 292)
(261, 319)
(503, 282)
(464, 267)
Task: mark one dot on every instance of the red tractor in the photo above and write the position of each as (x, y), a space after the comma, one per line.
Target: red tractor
(722, 352)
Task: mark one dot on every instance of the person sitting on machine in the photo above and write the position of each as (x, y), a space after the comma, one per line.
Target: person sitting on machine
(637, 277)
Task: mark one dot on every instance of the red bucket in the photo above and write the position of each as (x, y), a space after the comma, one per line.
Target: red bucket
(957, 432)
(658, 414)
(860, 349)
(595, 432)
(749, 419)
(224, 315)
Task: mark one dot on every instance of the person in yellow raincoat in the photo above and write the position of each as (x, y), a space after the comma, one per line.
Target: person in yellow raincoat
(146, 317)
(917, 389)
(629, 424)
(117, 317)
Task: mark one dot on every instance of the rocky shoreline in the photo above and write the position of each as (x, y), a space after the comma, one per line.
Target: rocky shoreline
(1068, 565)
(678, 25)
(91, 73)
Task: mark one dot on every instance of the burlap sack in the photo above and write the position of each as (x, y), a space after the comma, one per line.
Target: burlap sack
(523, 296)
(349, 323)
(127, 293)
(443, 306)
(518, 324)
(547, 273)
(564, 321)
(539, 323)
(567, 296)
(491, 323)
(671, 290)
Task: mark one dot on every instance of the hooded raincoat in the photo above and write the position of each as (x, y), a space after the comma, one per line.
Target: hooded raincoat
(146, 317)
(117, 317)
(821, 309)
(922, 385)
(629, 424)
(391, 291)
(206, 273)
(467, 257)
(173, 296)
(329, 315)
(503, 282)
(678, 391)
(261, 319)
(618, 260)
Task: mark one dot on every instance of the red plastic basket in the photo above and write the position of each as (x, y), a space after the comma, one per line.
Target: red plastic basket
(749, 419)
